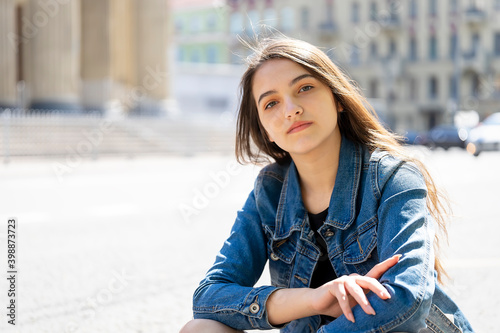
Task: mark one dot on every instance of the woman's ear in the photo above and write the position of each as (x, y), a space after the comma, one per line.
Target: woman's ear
(338, 105)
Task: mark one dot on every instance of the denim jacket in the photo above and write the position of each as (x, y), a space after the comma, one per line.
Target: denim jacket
(377, 209)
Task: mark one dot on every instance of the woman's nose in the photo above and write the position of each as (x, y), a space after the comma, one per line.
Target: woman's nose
(292, 108)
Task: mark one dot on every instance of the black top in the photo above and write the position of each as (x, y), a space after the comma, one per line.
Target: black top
(323, 272)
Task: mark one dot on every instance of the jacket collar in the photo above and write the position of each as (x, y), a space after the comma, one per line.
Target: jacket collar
(291, 214)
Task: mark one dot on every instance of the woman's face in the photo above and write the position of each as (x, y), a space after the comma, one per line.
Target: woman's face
(297, 110)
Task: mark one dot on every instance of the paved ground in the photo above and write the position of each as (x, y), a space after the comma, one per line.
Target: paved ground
(118, 245)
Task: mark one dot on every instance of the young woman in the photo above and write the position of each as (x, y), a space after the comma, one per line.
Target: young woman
(345, 218)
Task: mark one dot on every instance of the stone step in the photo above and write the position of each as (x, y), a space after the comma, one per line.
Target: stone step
(50, 135)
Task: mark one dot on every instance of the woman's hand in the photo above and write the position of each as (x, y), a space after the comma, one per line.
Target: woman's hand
(332, 298)
(340, 295)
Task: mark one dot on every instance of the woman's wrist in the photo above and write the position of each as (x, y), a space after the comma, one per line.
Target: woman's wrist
(322, 302)
(285, 305)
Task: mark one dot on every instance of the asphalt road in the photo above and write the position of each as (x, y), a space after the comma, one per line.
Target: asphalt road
(119, 245)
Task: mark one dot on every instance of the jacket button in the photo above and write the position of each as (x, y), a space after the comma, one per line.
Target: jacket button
(254, 308)
(274, 257)
(329, 233)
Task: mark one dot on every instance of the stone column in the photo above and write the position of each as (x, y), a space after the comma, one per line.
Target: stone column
(96, 58)
(54, 54)
(8, 53)
(153, 41)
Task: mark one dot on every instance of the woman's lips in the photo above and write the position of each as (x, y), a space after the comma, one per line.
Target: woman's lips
(298, 126)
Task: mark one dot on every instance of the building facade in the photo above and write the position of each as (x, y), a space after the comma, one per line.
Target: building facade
(205, 81)
(421, 60)
(200, 32)
(73, 55)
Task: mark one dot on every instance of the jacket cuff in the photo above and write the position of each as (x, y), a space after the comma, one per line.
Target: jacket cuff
(254, 307)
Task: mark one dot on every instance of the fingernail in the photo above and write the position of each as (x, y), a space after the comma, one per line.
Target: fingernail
(351, 317)
(385, 294)
(371, 311)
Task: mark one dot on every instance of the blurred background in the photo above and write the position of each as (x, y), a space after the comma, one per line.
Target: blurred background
(117, 121)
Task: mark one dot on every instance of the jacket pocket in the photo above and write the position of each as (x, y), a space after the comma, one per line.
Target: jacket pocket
(438, 322)
(358, 249)
(281, 257)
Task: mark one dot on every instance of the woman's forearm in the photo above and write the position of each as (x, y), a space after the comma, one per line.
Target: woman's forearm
(285, 305)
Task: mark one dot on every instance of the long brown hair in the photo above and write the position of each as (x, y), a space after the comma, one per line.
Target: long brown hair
(358, 121)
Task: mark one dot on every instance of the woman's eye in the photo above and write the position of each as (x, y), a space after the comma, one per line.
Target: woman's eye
(270, 105)
(306, 88)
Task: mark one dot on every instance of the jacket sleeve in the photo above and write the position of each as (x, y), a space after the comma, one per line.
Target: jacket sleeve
(226, 294)
(404, 227)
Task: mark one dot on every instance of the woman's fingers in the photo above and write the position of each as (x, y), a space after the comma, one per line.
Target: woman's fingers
(380, 268)
(341, 294)
(370, 284)
(354, 288)
(355, 285)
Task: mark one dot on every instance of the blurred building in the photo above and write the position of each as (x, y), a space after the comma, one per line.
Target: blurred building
(200, 30)
(418, 61)
(205, 81)
(72, 55)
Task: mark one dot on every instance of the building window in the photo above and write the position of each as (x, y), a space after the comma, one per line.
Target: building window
(195, 55)
(413, 87)
(433, 88)
(373, 11)
(287, 19)
(253, 22)
(355, 56)
(270, 17)
(355, 12)
(477, 4)
(235, 24)
(373, 50)
(453, 88)
(217, 103)
(476, 42)
(212, 54)
(413, 8)
(453, 6)
(497, 85)
(374, 88)
(179, 25)
(475, 85)
(393, 48)
(453, 45)
(497, 44)
(304, 18)
(181, 54)
(393, 10)
(195, 23)
(433, 7)
(211, 21)
(413, 49)
(433, 52)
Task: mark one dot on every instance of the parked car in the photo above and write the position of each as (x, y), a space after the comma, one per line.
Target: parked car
(414, 138)
(447, 136)
(485, 136)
